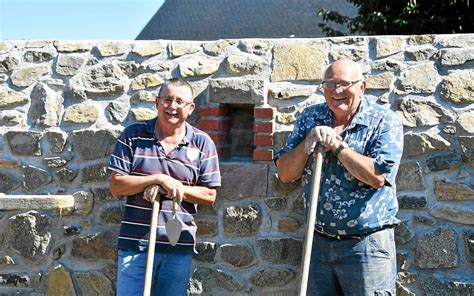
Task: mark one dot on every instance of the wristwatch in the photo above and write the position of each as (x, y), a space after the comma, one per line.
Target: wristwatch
(342, 145)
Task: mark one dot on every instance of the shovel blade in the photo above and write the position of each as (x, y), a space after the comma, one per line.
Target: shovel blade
(173, 230)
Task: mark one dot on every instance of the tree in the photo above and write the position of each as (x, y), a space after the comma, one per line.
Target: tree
(404, 17)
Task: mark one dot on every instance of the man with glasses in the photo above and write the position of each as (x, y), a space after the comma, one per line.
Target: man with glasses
(353, 248)
(182, 161)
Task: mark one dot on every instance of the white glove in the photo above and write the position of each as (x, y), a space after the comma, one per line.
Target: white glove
(325, 135)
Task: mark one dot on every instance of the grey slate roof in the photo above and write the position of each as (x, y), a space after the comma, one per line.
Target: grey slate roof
(231, 19)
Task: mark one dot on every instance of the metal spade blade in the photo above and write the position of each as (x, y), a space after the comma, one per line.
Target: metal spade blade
(173, 228)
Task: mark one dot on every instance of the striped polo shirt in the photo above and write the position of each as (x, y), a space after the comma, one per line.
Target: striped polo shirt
(194, 162)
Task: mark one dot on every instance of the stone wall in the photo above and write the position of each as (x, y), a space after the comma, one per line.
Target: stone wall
(63, 103)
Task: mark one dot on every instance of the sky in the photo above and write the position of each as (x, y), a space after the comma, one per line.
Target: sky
(75, 19)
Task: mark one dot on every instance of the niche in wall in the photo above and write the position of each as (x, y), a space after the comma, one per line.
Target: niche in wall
(241, 131)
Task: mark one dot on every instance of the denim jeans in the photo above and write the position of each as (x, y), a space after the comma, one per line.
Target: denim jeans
(171, 273)
(365, 266)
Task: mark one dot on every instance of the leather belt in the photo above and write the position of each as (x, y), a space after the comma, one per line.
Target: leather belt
(350, 236)
(338, 237)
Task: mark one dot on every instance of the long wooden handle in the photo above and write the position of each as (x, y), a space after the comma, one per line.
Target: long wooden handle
(308, 242)
(151, 248)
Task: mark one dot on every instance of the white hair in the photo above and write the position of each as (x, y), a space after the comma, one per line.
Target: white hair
(355, 66)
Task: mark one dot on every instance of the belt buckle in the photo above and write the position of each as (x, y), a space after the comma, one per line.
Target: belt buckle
(335, 236)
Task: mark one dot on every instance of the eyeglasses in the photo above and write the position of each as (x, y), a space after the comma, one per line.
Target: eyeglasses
(167, 101)
(334, 85)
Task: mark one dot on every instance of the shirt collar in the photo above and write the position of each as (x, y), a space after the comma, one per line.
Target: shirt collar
(188, 137)
(362, 116)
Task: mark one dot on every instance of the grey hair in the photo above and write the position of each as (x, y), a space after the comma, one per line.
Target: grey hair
(356, 66)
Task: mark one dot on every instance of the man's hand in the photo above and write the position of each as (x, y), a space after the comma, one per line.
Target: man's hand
(173, 188)
(325, 135)
(151, 192)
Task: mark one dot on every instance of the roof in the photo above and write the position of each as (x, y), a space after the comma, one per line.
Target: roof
(233, 19)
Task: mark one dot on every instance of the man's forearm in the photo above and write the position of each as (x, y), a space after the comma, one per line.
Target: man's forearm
(291, 165)
(200, 195)
(129, 185)
(361, 167)
(123, 185)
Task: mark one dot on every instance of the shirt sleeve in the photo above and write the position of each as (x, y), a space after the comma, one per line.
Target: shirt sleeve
(296, 136)
(209, 172)
(388, 148)
(122, 157)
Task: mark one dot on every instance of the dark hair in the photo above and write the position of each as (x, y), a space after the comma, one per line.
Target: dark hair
(176, 82)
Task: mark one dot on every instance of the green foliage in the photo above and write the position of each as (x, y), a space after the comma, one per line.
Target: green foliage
(404, 17)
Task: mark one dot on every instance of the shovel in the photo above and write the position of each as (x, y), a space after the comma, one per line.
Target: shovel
(308, 242)
(173, 227)
(151, 246)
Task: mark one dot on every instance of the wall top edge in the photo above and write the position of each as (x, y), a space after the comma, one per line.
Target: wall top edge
(200, 41)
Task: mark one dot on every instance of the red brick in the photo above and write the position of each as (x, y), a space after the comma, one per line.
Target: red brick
(263, 140)
(214, 124)
(262, 154)
(263, 126)
(219, 137)
(212, 111)
(264, 112)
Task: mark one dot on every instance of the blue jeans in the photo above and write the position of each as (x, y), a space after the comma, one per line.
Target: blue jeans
(365, 266)
(171, 273)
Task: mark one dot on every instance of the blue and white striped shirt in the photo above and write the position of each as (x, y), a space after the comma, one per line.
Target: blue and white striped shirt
(194, 162)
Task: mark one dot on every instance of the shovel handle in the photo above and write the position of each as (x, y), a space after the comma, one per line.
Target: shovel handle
(151, 248)
(175, 206)
(308, 242)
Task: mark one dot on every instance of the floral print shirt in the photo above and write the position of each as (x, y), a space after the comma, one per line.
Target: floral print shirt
(347, 206)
